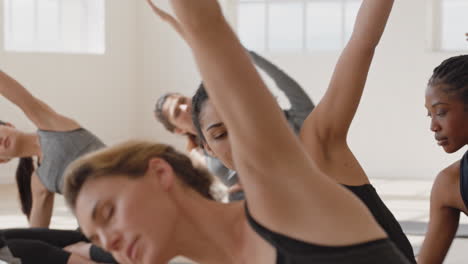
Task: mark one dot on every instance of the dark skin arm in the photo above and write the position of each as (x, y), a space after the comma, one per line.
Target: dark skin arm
(446, 204)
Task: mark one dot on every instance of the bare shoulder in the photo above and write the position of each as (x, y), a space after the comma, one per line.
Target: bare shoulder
(446, 188)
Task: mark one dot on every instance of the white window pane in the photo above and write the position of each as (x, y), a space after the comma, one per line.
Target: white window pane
(55, 25)
(72, 18)
(251, 25)
(48, 25)
(20, 26)
(351, 10)
(95, 26)
(285, 27)
(324, 25)
(454, 24)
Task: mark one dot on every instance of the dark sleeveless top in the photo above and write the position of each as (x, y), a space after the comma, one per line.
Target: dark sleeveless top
(292, 251)
(464, 178)
(384, 217)
(59, 149)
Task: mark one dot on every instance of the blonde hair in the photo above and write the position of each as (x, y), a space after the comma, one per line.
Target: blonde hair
(131, 159)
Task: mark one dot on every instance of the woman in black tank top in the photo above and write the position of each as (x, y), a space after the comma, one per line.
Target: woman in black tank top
(447, 104)
(133, 200)
(325, 131)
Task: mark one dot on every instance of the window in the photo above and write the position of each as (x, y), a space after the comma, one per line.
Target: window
(453, 25)
(296, 25)
(68, 26)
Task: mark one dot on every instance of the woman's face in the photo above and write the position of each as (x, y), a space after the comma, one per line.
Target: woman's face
(449, 119)
(216, 135)
(178, 109)
(134, 219)
(9, 137)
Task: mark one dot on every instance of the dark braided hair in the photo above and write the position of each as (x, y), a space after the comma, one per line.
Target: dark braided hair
(198, 100)
(452, 76)
(24, 173)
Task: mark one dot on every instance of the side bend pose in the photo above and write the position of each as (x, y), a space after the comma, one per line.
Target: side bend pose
(447, 106)
(150, 216)
(324, 133)
(58, 141)
(174, 111)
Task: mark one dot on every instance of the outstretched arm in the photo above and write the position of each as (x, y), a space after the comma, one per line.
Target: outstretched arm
(331, 119)
(37, 111)
(286, 192)
(301, 104)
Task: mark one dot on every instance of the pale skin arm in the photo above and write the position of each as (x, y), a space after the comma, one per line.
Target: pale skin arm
(324, 133)
(443, 221)
(327, 121)
(255, 121)
(42, 205)
(42, 115)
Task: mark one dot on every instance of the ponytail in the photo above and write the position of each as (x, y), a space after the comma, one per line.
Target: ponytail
(23, 181)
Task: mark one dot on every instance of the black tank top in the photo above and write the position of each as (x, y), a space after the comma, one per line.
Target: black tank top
(464, 178)
(384, 217)
(292, 251)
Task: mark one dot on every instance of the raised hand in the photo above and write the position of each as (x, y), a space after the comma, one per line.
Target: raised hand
(189, 13)
(166, 17)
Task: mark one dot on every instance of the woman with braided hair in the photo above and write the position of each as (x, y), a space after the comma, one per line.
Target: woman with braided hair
(447, 105)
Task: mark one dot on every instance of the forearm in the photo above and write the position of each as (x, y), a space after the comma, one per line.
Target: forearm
(13, 90)
(436, 245)
(371, 21)
(245, 104)
(350, 75)
(41, 211)
(301, 104)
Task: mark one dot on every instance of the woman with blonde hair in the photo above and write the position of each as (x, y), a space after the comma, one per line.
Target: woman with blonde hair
(133, 199)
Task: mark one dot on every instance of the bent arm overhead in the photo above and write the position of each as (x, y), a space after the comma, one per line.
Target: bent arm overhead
(332, 117)
(301, 104)
(42, 115)
(275, 170)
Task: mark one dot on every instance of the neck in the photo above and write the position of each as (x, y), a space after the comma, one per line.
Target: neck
(28, 145)
(209, 232)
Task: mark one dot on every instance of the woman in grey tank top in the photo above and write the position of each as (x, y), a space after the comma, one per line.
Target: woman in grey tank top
(58, 141)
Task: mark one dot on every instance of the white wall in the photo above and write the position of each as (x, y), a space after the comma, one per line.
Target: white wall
(390, 134)
(97, 91)
(114, 95)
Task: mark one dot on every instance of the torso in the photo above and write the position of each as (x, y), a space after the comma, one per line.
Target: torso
(59, 149)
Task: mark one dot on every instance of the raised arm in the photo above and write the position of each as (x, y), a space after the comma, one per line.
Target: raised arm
(301, 104)
(285, 190)
(37, 111)
(332, 117)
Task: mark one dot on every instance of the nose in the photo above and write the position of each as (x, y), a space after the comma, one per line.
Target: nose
(111, 240)
(435, 126)
(183, 107)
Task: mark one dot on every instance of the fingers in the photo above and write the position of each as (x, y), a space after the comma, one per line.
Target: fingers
(166, 17)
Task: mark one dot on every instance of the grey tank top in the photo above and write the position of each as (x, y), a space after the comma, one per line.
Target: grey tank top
(59, 149)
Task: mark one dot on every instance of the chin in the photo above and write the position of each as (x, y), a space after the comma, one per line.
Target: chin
(451, 149)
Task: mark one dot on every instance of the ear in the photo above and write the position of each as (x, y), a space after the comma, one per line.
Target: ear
(163, 172)
(207, 148)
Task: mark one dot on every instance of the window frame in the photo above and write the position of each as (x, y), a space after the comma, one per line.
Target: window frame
(36, 46)
(233, 12)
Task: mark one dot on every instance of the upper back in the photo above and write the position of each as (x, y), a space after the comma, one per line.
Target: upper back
(59, 149)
